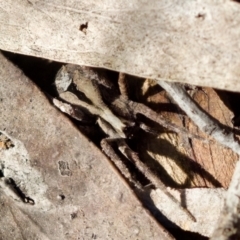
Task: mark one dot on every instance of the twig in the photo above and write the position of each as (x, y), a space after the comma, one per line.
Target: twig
(204, 121)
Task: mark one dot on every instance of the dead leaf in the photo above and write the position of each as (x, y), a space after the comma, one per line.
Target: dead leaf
(184, 162)
(181, 162)
(185, 41)
(214, 158)
(205, 204)
(77, 193)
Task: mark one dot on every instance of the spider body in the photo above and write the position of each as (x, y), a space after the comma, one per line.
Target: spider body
(116, 115)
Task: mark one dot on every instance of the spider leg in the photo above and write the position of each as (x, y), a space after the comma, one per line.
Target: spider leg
(132, 157)
(135, 108)
(70, 110)
(148, 129)
(122, 84)
(149, 174)
(109, 151)
(139, 108)
(114, 126)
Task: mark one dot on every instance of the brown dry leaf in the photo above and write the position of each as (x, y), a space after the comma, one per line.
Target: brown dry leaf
(184, 162)
(77, 192)
(214, 158)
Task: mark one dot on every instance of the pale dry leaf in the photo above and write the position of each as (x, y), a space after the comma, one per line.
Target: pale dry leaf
(205, 204)
(76, 191)
(185, 41)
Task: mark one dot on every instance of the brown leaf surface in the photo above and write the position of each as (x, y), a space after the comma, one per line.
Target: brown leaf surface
(183, 162)
(219, 161)
(77, 192)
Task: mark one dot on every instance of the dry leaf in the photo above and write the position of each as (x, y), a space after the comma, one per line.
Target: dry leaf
(192, 162)
(205, 204)
(186, 41)
(77, 193)
(214, 158)
(183, 162)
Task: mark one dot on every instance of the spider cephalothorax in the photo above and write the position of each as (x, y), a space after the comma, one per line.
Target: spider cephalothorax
(118, 117)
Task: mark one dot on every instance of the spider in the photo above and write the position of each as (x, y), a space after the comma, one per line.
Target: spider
(85, 92)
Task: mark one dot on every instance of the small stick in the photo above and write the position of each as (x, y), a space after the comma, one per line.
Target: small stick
(202, 119)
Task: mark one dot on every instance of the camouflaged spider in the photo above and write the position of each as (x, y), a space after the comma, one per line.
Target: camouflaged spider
(86, 88)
